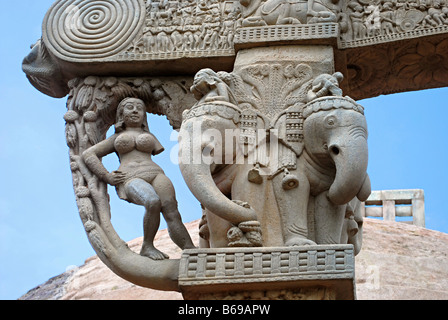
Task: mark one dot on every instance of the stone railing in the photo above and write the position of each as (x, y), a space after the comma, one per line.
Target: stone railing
(390, 204)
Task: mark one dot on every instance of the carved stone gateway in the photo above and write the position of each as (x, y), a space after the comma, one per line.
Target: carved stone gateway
(272, 142)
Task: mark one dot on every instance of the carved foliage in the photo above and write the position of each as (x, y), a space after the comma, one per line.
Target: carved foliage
(426, 62)
(413, 65)
(271, 88)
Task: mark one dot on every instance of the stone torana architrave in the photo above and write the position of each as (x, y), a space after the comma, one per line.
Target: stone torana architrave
(272, 141)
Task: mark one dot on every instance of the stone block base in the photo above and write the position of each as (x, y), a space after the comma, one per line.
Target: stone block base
(291, 273)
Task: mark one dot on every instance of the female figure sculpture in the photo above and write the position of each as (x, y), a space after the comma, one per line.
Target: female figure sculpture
(138, 179)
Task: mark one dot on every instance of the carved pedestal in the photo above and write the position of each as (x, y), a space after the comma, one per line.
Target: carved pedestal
(323, 272)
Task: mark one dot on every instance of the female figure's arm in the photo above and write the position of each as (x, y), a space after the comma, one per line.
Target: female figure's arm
(92, 158)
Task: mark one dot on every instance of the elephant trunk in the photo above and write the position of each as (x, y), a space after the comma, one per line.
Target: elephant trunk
(351, 178)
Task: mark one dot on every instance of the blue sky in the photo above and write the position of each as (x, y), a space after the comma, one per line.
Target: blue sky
(41, 234)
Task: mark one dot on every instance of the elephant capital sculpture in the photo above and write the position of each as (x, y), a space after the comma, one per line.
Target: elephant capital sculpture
(305, 190)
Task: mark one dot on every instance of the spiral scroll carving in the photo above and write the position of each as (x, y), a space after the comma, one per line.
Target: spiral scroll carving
(80, 30)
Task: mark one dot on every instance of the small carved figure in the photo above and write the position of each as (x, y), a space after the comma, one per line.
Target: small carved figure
(325, 85)
(210, 38)
(444, 16)
(138, 179)
(357, 18)
(387, 19)
(149, 41)
(435, 16)
(165, 12)
(188, 37)
(208, 86)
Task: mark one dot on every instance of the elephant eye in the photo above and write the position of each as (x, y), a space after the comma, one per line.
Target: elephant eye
(330, 121)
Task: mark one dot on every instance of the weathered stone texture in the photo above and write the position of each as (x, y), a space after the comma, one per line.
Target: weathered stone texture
(402, 261)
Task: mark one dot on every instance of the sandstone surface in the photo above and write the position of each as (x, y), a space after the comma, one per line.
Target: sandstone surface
(398, 261)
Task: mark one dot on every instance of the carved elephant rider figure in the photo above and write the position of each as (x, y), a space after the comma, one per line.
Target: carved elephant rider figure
(321, 165)
(216, 111)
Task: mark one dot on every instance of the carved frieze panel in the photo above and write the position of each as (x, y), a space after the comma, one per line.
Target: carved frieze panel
(274, 21)
(192, 28)
(83, 31)
(129, 30)
(366, 23)
(168, 37)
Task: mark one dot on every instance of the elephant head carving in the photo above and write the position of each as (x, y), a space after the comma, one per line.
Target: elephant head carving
(324, 143)
(201, 134)
(335, 133)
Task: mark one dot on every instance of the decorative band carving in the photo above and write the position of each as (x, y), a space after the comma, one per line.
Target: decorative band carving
(327, 103)
(368, 41)
(287, 32)
(218, 266)
(223, 109)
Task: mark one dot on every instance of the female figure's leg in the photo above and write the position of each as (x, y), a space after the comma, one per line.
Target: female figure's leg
(140, 192)
(176, 229)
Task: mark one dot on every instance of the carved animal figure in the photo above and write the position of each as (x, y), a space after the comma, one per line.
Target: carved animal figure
(213, 115)
(326, 169)
(276, 12)
(331, 171)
